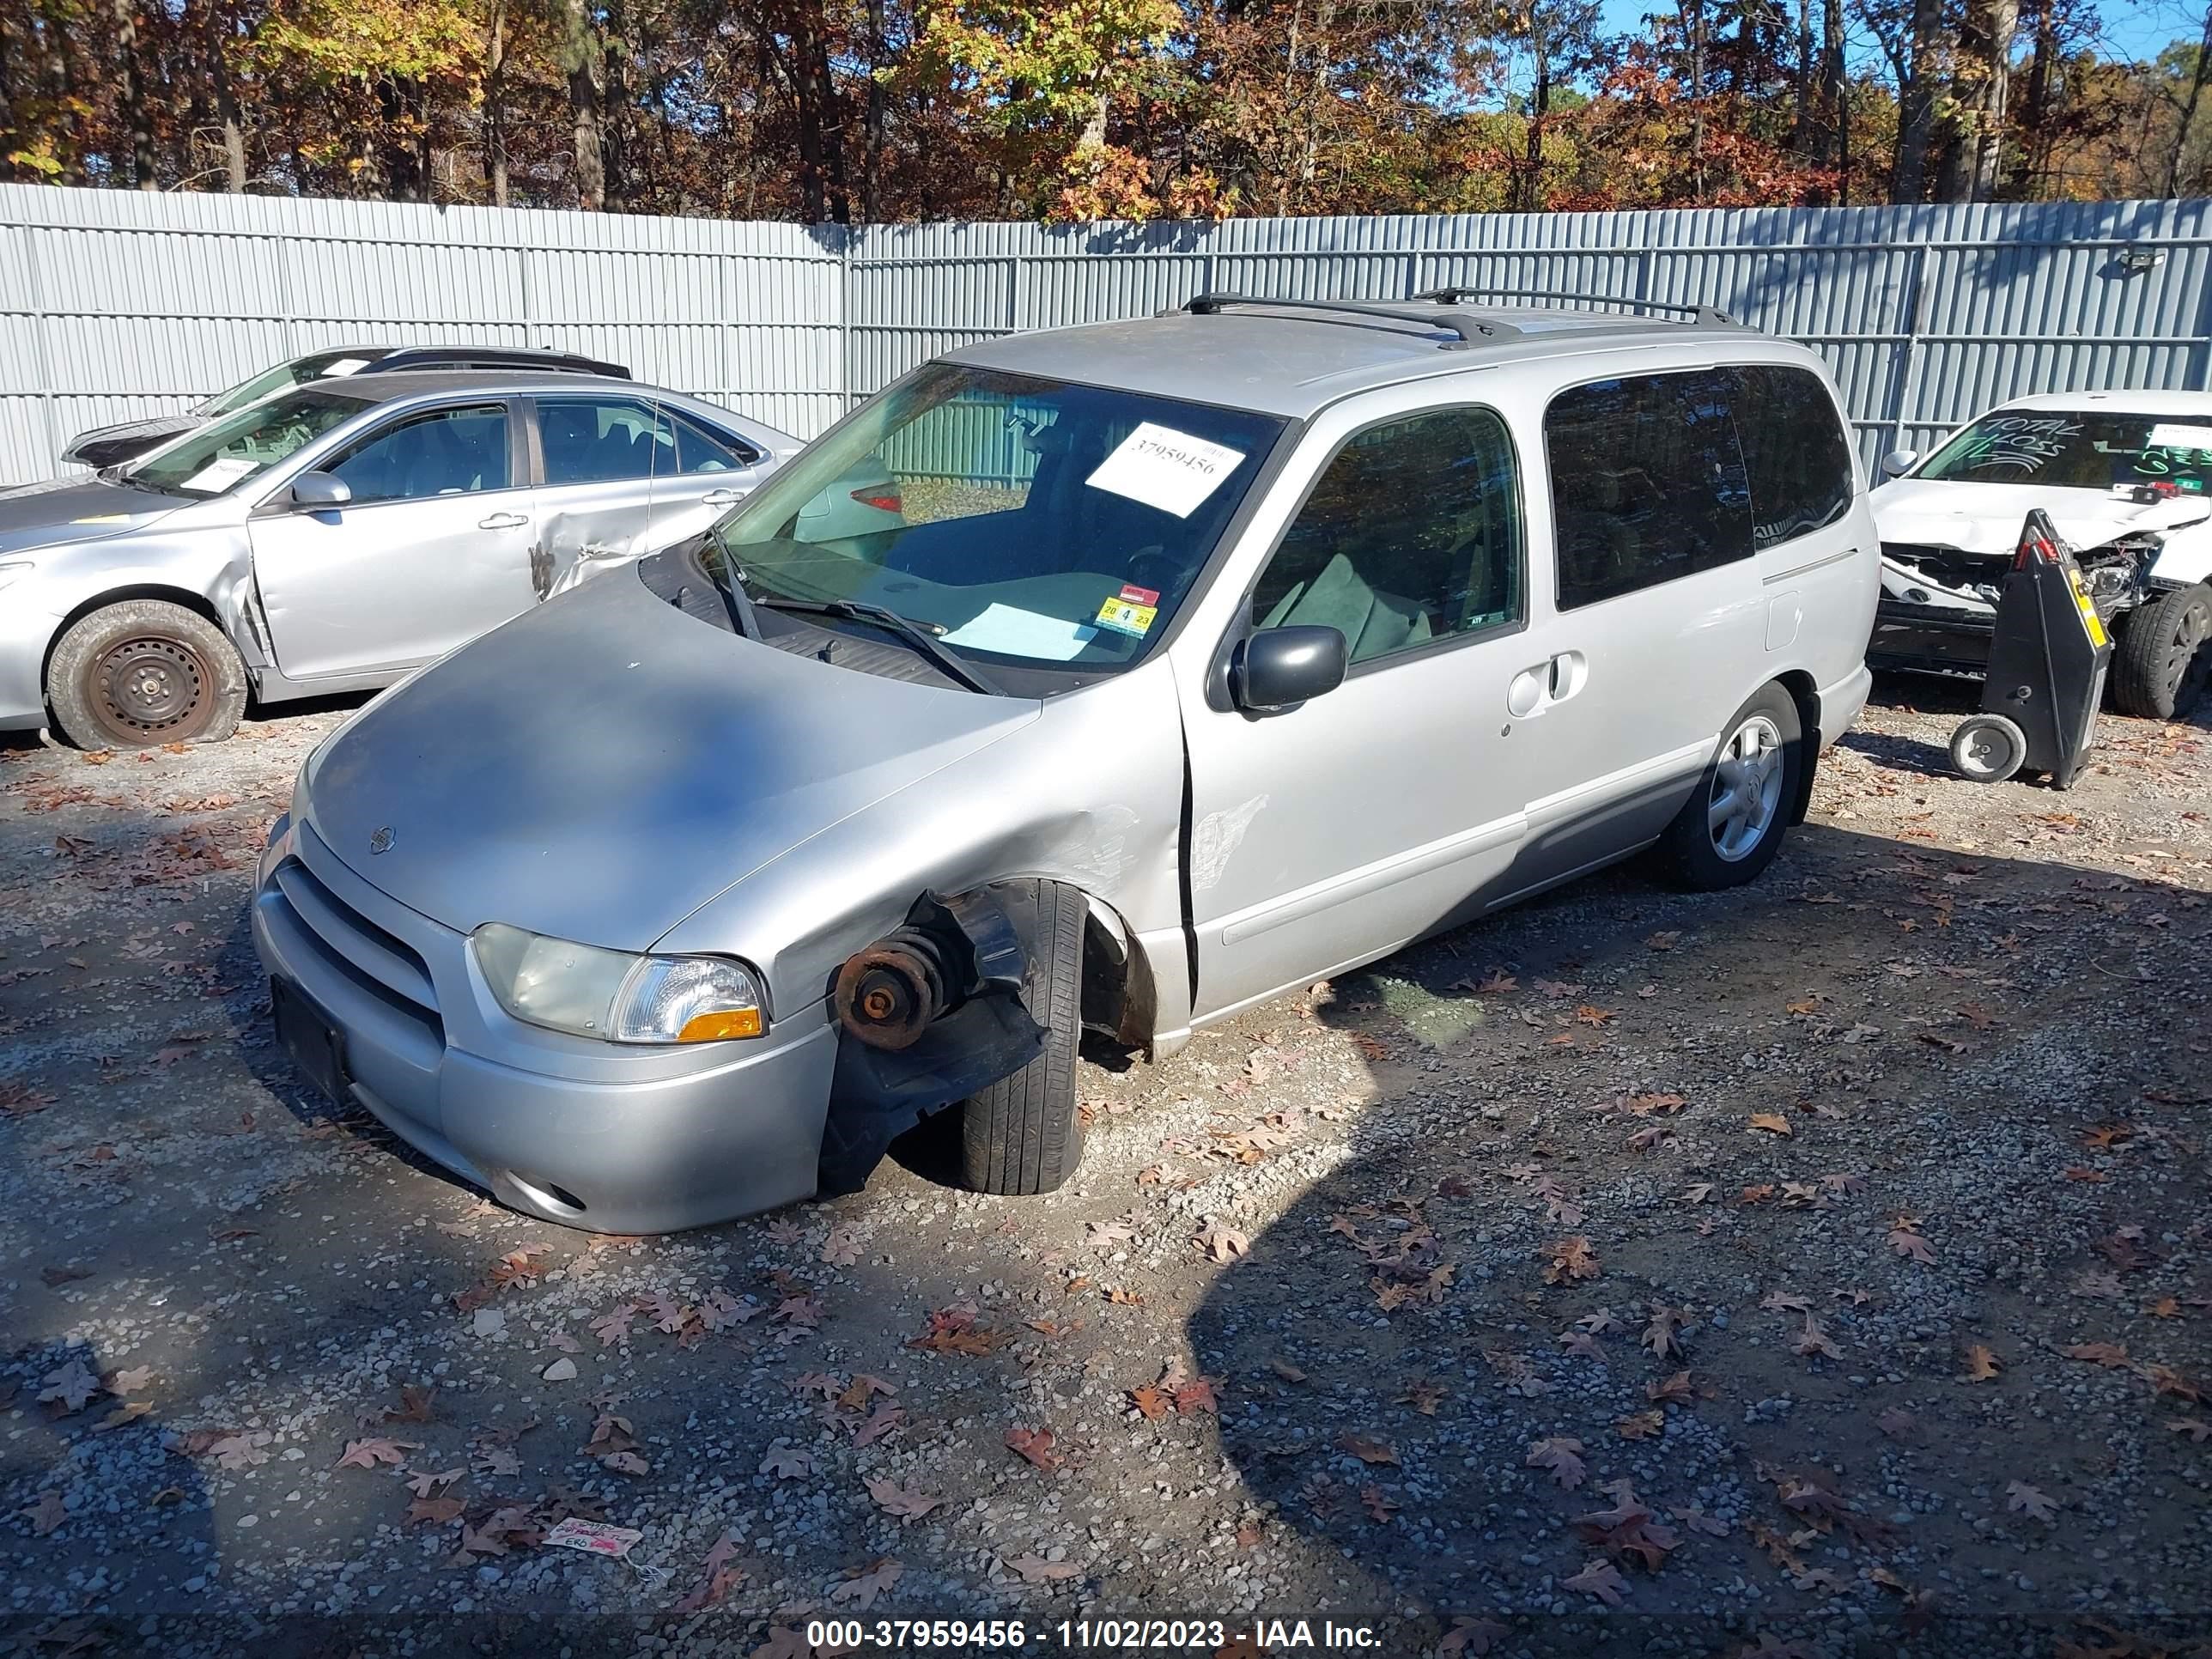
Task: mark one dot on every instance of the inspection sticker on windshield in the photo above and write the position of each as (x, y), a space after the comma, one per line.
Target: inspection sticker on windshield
(1130, 611)
(219, 475)
(1164, 468)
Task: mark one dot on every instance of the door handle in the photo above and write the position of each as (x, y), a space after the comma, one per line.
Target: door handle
(723, 497)
(503, 522)
(1539, 685)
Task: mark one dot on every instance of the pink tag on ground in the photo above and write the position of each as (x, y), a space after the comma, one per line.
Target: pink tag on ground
(593, 1538)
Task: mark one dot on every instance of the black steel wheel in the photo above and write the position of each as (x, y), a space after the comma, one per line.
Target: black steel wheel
(144, 672)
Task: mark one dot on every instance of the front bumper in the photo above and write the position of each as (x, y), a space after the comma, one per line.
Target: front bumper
(27, 626)
(1930, 639)
(607, 1137)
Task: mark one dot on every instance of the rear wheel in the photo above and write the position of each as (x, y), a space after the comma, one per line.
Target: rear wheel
(1732, 825)
(143, 672)
(2163, 664)
(1023, 1135)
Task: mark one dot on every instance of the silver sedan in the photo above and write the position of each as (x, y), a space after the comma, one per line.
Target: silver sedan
(335, 536)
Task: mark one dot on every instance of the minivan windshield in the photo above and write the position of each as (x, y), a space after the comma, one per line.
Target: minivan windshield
(224, 455)
(315, 366)
(1016, 519)
(2064, 450)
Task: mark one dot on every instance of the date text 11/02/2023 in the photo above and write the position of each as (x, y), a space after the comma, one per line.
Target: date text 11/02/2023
(1210, 1637)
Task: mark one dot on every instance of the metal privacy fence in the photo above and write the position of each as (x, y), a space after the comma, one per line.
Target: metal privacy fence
(118, 303)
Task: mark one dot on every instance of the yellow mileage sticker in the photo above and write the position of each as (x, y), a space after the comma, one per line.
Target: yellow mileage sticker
(1130, 611)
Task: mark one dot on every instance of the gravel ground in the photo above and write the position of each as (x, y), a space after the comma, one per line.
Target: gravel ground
(1820, 1269)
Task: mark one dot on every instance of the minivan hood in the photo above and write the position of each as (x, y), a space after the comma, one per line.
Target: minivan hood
(1986, 519)
(602, 766)
(66, 510)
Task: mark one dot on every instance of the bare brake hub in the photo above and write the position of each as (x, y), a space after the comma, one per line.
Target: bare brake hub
(948, 950)
(889, 993)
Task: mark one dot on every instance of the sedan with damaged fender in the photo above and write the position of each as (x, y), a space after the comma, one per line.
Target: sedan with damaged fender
(1148, 669)
(334, 536)
(2125, 478)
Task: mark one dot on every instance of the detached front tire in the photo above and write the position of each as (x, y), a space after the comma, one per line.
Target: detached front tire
(1023, 1135)
(1729, 830)
(144, 672)
(2162, 661)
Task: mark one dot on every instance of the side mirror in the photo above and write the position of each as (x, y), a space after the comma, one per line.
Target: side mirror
(1898, 462)
(1278, 668)
(315, 491)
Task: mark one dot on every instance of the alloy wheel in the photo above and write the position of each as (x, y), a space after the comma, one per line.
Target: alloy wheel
(1746, 793)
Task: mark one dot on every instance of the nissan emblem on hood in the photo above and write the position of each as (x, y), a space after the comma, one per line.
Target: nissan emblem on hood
(380, 840)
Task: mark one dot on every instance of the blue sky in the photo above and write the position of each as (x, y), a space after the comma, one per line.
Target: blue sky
(2131, 30)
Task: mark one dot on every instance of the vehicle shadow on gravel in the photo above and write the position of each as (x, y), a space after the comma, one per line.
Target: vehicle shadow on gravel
(1576, 1356)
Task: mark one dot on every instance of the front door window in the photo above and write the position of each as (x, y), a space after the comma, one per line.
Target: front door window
(446, 452)
(1411, 535)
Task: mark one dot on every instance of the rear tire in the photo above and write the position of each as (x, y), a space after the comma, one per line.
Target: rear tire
(1023, 1135)
(2162, 662)
(1729, 830)
(144, 672)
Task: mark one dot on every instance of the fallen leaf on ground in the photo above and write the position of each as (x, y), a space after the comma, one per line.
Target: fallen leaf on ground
(1773, 1122)
(2112, 1356)
(862, 1585)
(2026, 1500)
(1561, 1456)
(904, 1502)
(1367, 1449)
(1035, 1445)
(1982, 1364)
(1223, 1243)
(1600, 1579)
(1568, 1260)
(367, 1454)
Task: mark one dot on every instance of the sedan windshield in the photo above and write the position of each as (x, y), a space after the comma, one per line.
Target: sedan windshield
(1015, 518)
(315, 366)
(243, 445)
(2069, 450)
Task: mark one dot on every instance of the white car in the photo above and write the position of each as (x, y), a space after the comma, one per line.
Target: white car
(2126, 476)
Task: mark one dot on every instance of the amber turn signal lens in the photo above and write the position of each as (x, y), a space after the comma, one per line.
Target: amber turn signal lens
(726, 1023)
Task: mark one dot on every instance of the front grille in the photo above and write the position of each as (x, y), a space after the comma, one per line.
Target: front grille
(380, 964)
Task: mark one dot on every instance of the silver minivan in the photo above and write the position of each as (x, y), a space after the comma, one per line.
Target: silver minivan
(1183, 661)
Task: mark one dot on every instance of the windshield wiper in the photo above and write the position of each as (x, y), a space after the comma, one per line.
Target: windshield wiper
(949, 663)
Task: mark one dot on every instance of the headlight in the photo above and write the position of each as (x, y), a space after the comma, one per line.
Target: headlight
(614, 995)
(12, 568)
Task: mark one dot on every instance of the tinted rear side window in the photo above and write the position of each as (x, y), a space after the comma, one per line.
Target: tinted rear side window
(1648, 483)
(1794, 450)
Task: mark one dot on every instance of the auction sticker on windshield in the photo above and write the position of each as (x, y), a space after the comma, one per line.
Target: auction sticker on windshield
(1164, 468)
(219, 475)
(2166, 436)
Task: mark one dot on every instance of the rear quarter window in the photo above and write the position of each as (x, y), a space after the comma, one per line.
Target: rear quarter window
(1649, 483)
(1796, 458)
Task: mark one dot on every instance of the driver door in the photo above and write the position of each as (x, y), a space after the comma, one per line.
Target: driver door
(433, 549)
(1329, 834)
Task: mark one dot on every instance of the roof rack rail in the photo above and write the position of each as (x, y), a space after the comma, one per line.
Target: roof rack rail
(1471, 330)
(1699, 316)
